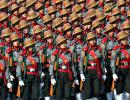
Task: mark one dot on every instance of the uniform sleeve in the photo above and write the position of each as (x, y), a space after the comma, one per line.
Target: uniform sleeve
(113, 61)
(81, 62)
(19, 68)
(73, 68)
(51, 68)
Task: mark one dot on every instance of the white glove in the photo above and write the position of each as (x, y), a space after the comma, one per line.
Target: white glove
(42, 84)
(76, 82)
(9, 85)
(104, 77)
(82, 77)
(42, 75)
(115, 77)
(11, 78)
(53, 81)
(21, 83)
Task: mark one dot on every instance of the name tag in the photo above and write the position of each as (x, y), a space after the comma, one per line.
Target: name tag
(32, 70)
(64, 67)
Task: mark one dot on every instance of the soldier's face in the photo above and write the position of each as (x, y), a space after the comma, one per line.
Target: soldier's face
(68, 33)
(59, 29)
(30, 49)
(41, 11)
(87, 26)
(38, 36)
(53, 16)
(7, 39)
(15, 43)
(50, 40)
(82, 4)
(75, 23)
(127, 31)
(79, 14)
(48, 25)
(63, 46)
(111, 34)
(69, 9)
(114, 24)
(15, 12)
(24, 15)
(92, 42)
(124, 41)
(65, 18)
(98, 30)
(59, 5)
(25, 30)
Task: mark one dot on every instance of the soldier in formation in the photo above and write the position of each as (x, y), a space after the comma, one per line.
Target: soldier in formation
(64, 49)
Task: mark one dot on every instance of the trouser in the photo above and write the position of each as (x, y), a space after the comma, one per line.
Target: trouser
(108, 81)
(92, 84)
(45, 89)
(12, 94)
(123, 82)
(3, 90)
(31, 88)
(63, 86)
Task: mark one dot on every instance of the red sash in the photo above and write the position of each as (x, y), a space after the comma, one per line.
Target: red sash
(92, 53)
(65, 60)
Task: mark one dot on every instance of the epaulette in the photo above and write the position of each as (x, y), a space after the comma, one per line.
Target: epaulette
(99, 48)
(85, 48)
(41, 47)
(9, 50)
(55, 52)
(116, 47)
(104, 40)
(23, 53)
(72, 43)
(2, 44)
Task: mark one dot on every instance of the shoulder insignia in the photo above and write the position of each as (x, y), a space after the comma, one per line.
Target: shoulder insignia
(104, 40)
(116, 47)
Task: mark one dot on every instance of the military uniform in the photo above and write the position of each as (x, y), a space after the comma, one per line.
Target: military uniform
(76, 47)
(64, 71)
(120, 66)
(94, 68)
(32, 72)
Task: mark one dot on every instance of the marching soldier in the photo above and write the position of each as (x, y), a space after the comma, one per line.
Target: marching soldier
(14, 68)
(64, 69)
(120, 61)
(64, 14)
(52, 11)
(67, 5)
(32, 70)
(47, 53)
(38, 37)
(94, 69)
(76, 47)
(107, 45)
(47, 20)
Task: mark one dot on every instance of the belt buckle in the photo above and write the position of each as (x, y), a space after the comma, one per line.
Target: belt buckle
(93, 64)
(63, 67)
(0, 74)
(32, 70)
(126, 63)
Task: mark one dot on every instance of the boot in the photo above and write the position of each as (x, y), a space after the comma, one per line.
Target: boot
(94, 98)
(47, 98)
(78, 96)
(127, 96)
(119, 97)
(109, 96)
